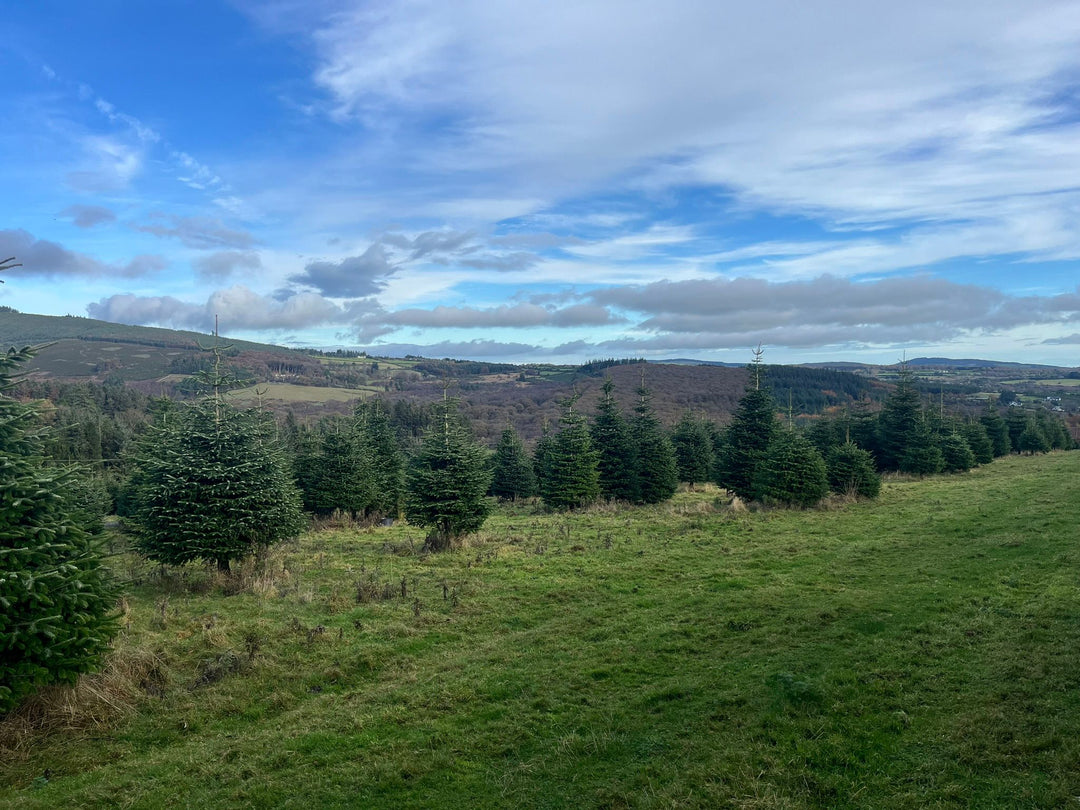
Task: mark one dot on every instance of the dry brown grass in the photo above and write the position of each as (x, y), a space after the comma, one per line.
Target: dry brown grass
(95, 701)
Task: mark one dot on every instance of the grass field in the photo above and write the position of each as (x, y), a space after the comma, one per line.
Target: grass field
(919, 651)
(288, 392)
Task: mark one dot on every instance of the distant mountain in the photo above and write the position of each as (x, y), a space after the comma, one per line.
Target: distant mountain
(683, 361)
(946, 362)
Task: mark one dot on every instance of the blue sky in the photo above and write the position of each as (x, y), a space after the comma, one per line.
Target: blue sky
(553, 181)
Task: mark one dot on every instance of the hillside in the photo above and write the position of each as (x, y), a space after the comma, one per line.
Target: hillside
(917, 651)
(162, 361)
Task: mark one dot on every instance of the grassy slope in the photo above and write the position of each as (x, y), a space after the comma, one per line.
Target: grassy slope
(923, 650)
(20, 329)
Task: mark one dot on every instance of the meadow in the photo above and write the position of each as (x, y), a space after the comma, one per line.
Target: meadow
(921, 650)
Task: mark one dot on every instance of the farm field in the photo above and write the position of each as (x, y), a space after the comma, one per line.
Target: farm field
(920, 650)
(290, 393)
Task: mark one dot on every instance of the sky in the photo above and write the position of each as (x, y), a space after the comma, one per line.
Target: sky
(552, 181)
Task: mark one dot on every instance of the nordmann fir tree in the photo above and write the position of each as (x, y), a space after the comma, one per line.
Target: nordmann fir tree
(616, 457)
(749, 434)
(572, 478)
(512, 471)
(447, 481)
(56, 598)
(657, 476)
(693, 449)
(212, 482)
(791, 472)
(377, 442)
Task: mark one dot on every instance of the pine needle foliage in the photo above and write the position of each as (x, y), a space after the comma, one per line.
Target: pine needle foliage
(902, 430)
(791, 472)
(748, 436)
(377, 443)
(512, 471)
(921, 454)
(997, 430)
(56, 597)
(541, 457)
(448, 481)
(212, 484)
(572, 478)
(693, 449)
(657, 473)
(1033, 439)
(979, 442)
(616, 460)
(851, 471)
(956, 454)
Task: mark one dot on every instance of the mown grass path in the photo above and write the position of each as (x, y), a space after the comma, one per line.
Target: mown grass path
(918, 651)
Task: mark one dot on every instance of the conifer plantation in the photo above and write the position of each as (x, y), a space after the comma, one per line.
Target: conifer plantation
(358, 645)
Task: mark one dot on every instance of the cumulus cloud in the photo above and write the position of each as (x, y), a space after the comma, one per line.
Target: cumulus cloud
(162, 310)
(41, 257)
(481, 349)
(721, 313)
(87, 216)
(354, 277)
(204, 233)
(223, 263)
(236, 308)
(517, 316)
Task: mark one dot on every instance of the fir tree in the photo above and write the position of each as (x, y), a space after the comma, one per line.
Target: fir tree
(901, 425)
(657, 475)
(572, 478)
(541, 457)
(377, 443)
(213, 484)
(979, 442)
(826, 434)
(997, 430)
(1032, 439)
(512, 472)
(447, 481)
(693, 450)
(340, 476)
(791, 472)
(851, 471)
(1016, 421)
(56, 596)
(956, 454)
(1054, 430)
(610, 436)
(921, 455)
(748, 436)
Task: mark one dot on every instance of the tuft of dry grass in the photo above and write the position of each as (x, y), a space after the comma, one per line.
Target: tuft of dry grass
(95, 701)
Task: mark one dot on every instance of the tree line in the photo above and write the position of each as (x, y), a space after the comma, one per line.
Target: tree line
(205, 481)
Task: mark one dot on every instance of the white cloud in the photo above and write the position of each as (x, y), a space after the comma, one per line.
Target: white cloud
(856, 113)
(236, 308)
(48, 259)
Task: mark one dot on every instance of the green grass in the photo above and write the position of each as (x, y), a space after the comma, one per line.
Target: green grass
(288, 392)
(919, 651)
